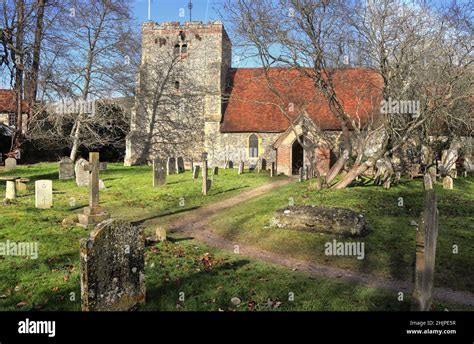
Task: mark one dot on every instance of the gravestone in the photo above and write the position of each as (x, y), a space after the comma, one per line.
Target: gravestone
(215, 171)
(170, 166)
(448, 183)
(10, 164)
(241, 167)
(432, 172)
(426, 238)
(427, 183)
(160, 234)
(66, 168)
(386, 182)
(205, 183)
(262, 165)
(196, 172)
(159, 175)
(301, 174)
(306, 173)
(179, 165)
(10, 187)
(230, 164)
(273, 170)
(112, 267)
(93, 214)
(82, 176)
(21, 184)
(43, 194)
(398, 175)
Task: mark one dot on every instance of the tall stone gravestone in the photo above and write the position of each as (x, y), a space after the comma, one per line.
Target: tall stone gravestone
(426, 238)
(427, 183)
(179, 165)
(10, 164)
(230, 164)
(273, 170)
(171, 166)
(82, 176)
(112, 267)
(66, 168)
(44, 194)
(241, 167)
(159, 174)
(432, 172)
(205, 182)
(195, 171)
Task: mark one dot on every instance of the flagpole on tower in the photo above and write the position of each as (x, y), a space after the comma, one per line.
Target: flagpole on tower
(149, 10)
(190, 6)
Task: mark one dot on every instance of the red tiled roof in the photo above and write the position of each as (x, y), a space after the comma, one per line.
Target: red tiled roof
(8, 102)
(253, 107)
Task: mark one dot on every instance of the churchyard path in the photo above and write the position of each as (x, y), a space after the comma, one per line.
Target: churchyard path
(196, 224)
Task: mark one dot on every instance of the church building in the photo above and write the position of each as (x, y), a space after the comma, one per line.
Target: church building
(244, 114)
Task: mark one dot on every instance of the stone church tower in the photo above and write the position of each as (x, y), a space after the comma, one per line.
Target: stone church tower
(186, 67)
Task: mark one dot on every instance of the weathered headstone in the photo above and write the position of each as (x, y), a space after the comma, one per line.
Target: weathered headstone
(448, 183)
(231, 164)
(179, 165)
(171, 166)
(21, 184)
(398, 175)
(427, 183)
(432, 172)
(273, 170)
(66, 168)
(159, 175)
(10, 164)
(113, 267)
(301, 174)
(386, 183)
(82, 176)
(160, 233)
(93, 214)
(306, 173)
(196, 172)
(10, 187)
(205, 183)
(241, 167)
(261, 165)
(43, 194)
(215, 171)
(426, 238)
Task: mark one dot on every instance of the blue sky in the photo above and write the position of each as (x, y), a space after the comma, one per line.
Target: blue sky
(170, 10)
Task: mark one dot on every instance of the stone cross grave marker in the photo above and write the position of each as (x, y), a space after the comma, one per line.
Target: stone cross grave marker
(113, 267)
(43, 194)
(427, 183)
(159, 175)
(426, 238)
(93, 214)
(10, 164)
(66, 168)
(241, 167)
(273, 170)
(196, 172)
(171, 166)
(448, 183)
(205, 184)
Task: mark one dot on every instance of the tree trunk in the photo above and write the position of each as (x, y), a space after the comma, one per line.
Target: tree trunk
(19, 73)
(32, 80)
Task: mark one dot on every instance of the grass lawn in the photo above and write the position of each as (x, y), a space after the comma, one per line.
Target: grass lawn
(390, 245)
(52, 282)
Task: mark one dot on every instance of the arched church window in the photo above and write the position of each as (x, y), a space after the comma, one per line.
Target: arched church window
(253, 146)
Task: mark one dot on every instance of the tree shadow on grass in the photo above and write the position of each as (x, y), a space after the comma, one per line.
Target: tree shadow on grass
(163, 214)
